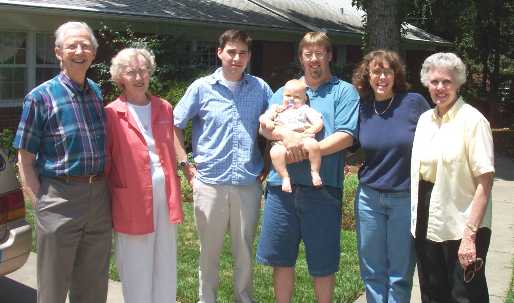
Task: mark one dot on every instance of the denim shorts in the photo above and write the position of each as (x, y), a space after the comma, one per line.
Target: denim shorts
(308, 213)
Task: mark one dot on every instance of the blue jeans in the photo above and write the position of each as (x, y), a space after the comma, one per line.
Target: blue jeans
(385, 245)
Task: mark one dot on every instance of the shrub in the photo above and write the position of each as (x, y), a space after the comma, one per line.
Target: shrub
(504, 142)
(6, 138)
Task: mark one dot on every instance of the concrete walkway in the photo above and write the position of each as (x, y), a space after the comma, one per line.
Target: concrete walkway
(20, 286)
(501, 249)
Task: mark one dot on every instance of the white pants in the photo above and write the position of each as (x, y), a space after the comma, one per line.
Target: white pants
(148, 263)
(218, 207)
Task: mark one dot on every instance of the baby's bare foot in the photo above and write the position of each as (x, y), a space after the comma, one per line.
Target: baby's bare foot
(316, 179)
(286, 185)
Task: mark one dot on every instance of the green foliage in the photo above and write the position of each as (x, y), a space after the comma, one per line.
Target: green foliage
(173, 58)
(6, 139)
(483, 34)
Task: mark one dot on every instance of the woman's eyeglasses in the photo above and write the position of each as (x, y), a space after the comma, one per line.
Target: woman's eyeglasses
(472, 269)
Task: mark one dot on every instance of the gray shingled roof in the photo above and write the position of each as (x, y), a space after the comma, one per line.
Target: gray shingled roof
(223, 11)
(290, 15)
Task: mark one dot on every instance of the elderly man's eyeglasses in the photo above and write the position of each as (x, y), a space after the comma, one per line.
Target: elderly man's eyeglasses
(472, 269)
(74, 46)
(142, 72)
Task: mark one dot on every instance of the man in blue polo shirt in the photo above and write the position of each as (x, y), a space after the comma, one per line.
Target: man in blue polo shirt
(312, 214)
(61, 159)
(224, 108)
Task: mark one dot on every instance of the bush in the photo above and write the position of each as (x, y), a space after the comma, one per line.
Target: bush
(504, 142)
(6, 138)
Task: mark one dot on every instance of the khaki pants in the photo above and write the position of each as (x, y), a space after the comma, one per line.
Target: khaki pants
(218, 207)
(73, 240)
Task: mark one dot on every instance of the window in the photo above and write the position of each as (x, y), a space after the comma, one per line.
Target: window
(205, 54)
(26, 60)
(13, 67)
(47, 65)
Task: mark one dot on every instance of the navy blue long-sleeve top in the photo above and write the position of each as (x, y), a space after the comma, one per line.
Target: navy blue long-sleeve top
(387, 140)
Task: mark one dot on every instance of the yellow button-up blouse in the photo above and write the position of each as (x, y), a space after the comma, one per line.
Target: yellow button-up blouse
(459, 147)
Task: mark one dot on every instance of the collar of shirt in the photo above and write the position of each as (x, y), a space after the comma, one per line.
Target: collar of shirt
(74, 87)
(450, 114)
(217, 77)
(332, 81)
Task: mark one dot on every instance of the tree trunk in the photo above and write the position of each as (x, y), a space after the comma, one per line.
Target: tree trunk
(383, 24)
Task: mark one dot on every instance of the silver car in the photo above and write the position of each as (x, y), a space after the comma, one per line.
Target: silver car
(15, 232)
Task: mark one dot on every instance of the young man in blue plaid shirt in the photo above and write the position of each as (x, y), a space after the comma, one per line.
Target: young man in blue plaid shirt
(224, 108)
(61, 158)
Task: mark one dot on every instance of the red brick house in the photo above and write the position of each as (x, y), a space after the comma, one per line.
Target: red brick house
(26, 34)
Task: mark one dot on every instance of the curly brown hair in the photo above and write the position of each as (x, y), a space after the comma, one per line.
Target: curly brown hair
(360, 76)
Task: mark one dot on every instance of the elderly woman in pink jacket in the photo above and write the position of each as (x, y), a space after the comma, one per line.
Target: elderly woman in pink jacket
(145, 188)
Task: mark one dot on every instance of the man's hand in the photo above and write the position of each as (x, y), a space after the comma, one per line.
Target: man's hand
(29, 177)
(295, 150)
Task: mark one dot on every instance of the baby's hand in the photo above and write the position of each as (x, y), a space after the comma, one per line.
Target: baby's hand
(269, 124)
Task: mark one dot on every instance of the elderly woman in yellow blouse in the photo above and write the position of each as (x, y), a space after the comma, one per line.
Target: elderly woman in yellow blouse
(451, 178)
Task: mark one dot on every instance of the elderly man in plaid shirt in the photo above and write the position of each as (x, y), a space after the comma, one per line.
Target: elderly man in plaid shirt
(61, 158)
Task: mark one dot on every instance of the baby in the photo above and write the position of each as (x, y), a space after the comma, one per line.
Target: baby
(297, 116)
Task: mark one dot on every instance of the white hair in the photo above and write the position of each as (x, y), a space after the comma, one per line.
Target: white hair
(448, 61)
(125, 56)
(64, 29)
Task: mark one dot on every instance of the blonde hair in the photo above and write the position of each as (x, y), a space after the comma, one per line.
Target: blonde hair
(315, 38)
(124, 57)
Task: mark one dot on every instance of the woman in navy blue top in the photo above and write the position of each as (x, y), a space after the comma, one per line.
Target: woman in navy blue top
(387, 121)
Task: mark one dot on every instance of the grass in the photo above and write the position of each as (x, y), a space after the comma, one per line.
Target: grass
(348, 283)
(510, 294)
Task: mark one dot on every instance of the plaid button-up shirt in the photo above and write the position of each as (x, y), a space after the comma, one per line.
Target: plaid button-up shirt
(63, 125)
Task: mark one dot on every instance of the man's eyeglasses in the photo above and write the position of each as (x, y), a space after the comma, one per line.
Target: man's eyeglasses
(472, 269)
(311, 55)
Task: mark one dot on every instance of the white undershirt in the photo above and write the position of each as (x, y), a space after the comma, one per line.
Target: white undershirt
(232, 85)
(143, 116)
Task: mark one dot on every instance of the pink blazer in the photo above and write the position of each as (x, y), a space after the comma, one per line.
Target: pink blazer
(128, 167)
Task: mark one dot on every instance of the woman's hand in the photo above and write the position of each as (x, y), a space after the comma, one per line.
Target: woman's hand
(190, 172)
(467, 250)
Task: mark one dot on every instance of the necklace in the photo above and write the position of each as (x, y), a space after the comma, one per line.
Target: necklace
(383, 112)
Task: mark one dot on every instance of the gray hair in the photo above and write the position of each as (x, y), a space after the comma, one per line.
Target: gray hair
(61, 32)
(448, 61)
(124, 57)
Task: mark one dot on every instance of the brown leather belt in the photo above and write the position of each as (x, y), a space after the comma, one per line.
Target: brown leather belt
(81, 179)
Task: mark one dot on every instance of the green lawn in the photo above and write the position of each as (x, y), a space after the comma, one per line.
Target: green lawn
(510, 294)
(348, 285)
(348, 281)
